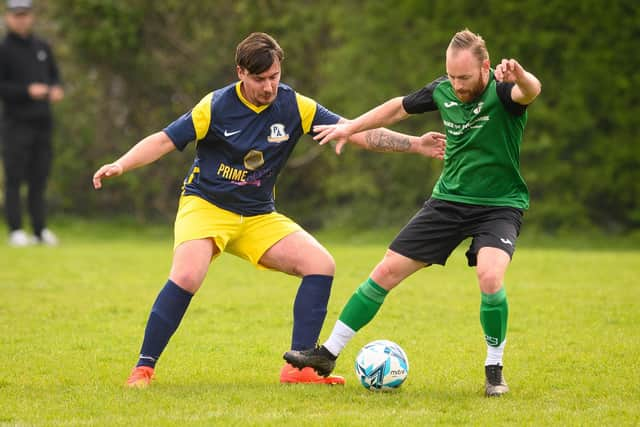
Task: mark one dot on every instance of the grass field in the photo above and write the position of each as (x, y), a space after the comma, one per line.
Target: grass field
(72, 318)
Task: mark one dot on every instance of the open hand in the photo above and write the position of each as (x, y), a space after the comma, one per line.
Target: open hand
(106, 171)
(338, 132)
(432, 144)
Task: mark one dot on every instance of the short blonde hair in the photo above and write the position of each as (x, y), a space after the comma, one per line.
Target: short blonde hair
(467, 40)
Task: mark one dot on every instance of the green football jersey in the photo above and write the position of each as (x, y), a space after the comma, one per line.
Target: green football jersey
(482, 158)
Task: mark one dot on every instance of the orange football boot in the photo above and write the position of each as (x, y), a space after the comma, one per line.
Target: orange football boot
(140, 377)
(289, 374)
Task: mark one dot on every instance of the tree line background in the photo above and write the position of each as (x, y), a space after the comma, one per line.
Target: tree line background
(133, 66)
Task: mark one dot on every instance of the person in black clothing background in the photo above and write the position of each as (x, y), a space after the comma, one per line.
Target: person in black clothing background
(29, 83)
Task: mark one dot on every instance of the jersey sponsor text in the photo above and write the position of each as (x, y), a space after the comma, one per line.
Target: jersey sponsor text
(232, 174)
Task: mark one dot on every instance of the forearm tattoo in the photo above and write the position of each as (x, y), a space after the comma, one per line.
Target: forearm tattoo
(383, 140)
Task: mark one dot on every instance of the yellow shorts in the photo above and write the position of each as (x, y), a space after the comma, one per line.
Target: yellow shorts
(248, 237)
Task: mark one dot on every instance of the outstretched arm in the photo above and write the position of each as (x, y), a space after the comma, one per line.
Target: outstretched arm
(383, 115)
(527, 86)
(144, 152)
(431, 144)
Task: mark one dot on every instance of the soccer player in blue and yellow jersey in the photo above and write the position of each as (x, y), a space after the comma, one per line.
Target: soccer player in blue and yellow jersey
(480, 194)
(245, 133)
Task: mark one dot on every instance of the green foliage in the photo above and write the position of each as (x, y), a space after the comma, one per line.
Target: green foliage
(103, 32)
(134, 66)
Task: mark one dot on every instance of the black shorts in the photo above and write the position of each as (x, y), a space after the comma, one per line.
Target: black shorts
(440, 226)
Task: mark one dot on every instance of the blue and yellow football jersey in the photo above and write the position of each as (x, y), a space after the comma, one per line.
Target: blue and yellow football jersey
(241, 148)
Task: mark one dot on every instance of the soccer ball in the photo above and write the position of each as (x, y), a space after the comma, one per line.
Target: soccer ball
(382, 365)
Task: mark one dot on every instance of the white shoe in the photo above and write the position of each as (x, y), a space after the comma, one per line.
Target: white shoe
(48, 238)
(19, 238)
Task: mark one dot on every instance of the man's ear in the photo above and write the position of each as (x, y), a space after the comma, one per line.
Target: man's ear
(242, 73)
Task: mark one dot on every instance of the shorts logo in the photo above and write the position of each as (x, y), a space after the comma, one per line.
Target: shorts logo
(278, 133)
(506, 241)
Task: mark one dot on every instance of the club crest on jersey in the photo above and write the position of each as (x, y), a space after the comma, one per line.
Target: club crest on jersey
(278, 133)
(478, 108)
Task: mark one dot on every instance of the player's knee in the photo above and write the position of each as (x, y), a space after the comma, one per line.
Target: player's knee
(382, 270)
(325, 264)
(490, 281)
(329, 265)
(386, 275)
(320, 263)
(190, 281)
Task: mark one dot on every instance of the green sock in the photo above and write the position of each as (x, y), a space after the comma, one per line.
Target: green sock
(363, 305)
(494, 312)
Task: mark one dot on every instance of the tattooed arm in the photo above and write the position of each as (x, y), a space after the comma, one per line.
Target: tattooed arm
(431, 144)
(368, 132)
(386, 140)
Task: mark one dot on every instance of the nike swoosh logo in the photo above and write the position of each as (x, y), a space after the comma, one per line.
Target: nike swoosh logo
(450, 104)
(231, 133)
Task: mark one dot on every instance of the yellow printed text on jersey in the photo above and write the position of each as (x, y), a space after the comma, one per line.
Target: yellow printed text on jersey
(232, 174)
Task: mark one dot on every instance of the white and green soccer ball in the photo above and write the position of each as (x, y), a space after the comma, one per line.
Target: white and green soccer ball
(382, 365)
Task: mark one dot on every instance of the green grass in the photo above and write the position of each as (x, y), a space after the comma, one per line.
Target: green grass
(72, 318)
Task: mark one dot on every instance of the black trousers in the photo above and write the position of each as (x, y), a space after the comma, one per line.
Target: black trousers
(27, 156)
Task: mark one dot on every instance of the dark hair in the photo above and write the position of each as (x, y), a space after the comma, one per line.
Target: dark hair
(465, 39)
(257, 52)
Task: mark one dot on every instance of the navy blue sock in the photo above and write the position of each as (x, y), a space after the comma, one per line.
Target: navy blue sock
(166, 314)
(309, 310)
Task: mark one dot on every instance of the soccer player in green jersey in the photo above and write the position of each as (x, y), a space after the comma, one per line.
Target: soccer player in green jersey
(244, 134)
(480, 194)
